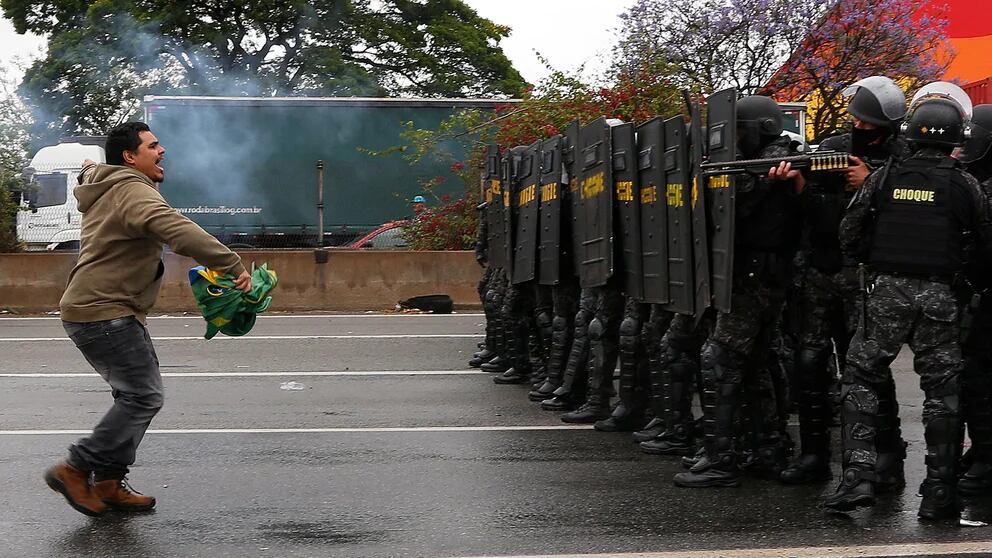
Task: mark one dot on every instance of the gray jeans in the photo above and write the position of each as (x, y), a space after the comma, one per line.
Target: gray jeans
(121, 351)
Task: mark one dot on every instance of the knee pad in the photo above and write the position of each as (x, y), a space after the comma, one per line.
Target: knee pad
(859, 399)
(596, 330)
(559, 323)
(724, 363)
(943, 402)
(582, 319)
(544, 320)
(629, 334)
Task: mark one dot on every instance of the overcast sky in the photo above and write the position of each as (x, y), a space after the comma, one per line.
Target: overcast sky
(568, 33)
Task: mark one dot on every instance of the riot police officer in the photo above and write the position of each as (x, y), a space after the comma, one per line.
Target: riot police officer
(913, 225)
(766, 232)
(977, 376)
(482, 257)
(829, 289)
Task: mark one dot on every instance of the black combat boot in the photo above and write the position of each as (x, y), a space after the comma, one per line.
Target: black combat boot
(690, 461)
(977, 412)
(721, 394)
(544, 333)
(859, 409)
(718, 470)
(520, 336)
(497, 365)
(561, 339)
(977, 480)
(499, 362)
(890, 445)
(481, 358)
(856, 490)
(511, 376)
(815, 415)
(649, 431)
(490, 345)
(942, 433)
(600, 386)
(659, 378)
(571, 393)
(628, 415)
(679, 437)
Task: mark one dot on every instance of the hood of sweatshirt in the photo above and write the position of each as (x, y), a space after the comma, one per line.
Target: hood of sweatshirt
(98, 180)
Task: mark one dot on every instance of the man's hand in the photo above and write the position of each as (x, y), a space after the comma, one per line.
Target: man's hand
(784, 171)
(243, 282)
(856, 173)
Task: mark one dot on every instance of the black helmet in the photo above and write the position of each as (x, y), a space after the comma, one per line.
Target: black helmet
(980, 143)
(937, 122)
(877, 100)
(759, 120)
(866, 107)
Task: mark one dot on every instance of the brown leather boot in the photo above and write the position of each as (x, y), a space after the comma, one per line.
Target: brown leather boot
(75, 486)
(118, 494)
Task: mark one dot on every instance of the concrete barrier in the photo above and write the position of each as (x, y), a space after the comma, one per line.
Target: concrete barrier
(349, 281)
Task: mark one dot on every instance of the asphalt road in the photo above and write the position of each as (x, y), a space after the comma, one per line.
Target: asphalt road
(394, 448)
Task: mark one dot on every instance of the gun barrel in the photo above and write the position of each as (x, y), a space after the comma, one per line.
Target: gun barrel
(820, 161)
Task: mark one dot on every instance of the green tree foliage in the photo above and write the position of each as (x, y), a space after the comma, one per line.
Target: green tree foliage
(104, 55)
(13, 158)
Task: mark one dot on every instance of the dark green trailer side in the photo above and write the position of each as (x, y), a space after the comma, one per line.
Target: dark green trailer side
(246, 168)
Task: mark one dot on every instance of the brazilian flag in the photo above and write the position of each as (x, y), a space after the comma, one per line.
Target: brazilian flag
(226, 308)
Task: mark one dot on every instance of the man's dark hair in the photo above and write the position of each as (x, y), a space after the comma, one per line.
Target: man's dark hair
(121, 138)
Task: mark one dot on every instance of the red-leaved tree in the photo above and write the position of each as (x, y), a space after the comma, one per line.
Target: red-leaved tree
(634, 96)
(856, 39)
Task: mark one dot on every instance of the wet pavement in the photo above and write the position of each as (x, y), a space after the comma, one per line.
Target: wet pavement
(393, 448)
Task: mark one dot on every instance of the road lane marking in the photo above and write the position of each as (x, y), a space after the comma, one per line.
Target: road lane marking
(273, 337)
(279, 316)
(523, 428)
(330, 373)
(876, 551)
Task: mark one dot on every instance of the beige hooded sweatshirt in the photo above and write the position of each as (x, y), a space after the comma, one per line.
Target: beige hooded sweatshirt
(125, 223)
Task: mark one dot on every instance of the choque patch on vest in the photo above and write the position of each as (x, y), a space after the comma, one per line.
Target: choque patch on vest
(913, 195)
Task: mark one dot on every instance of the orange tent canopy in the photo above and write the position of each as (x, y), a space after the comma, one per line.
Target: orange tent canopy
(969, 31)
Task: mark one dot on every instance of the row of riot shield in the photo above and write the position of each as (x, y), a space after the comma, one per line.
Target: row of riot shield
(621, 205)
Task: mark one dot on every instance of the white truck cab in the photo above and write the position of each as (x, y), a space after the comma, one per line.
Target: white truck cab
(50, 219)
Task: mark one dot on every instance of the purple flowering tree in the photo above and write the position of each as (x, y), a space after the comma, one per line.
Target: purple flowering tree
(714, 44)
(790, 49)
(857, 39)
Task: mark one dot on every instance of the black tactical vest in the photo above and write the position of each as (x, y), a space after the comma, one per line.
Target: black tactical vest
(826, 200)
(914, 231)
(776, 222)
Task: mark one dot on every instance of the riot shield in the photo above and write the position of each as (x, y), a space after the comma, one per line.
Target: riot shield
(680, 264)
(511, 162)
(570, 176)
(527, 215)
(654, 211)
(549, 267)
(493, 195)
(627, 194)
(595, 164)
(700, 239)
(721, 134)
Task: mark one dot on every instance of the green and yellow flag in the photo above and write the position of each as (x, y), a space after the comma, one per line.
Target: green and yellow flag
(227, 309)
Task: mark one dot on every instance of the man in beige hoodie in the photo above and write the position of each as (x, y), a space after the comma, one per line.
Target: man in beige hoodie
(109, 293)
